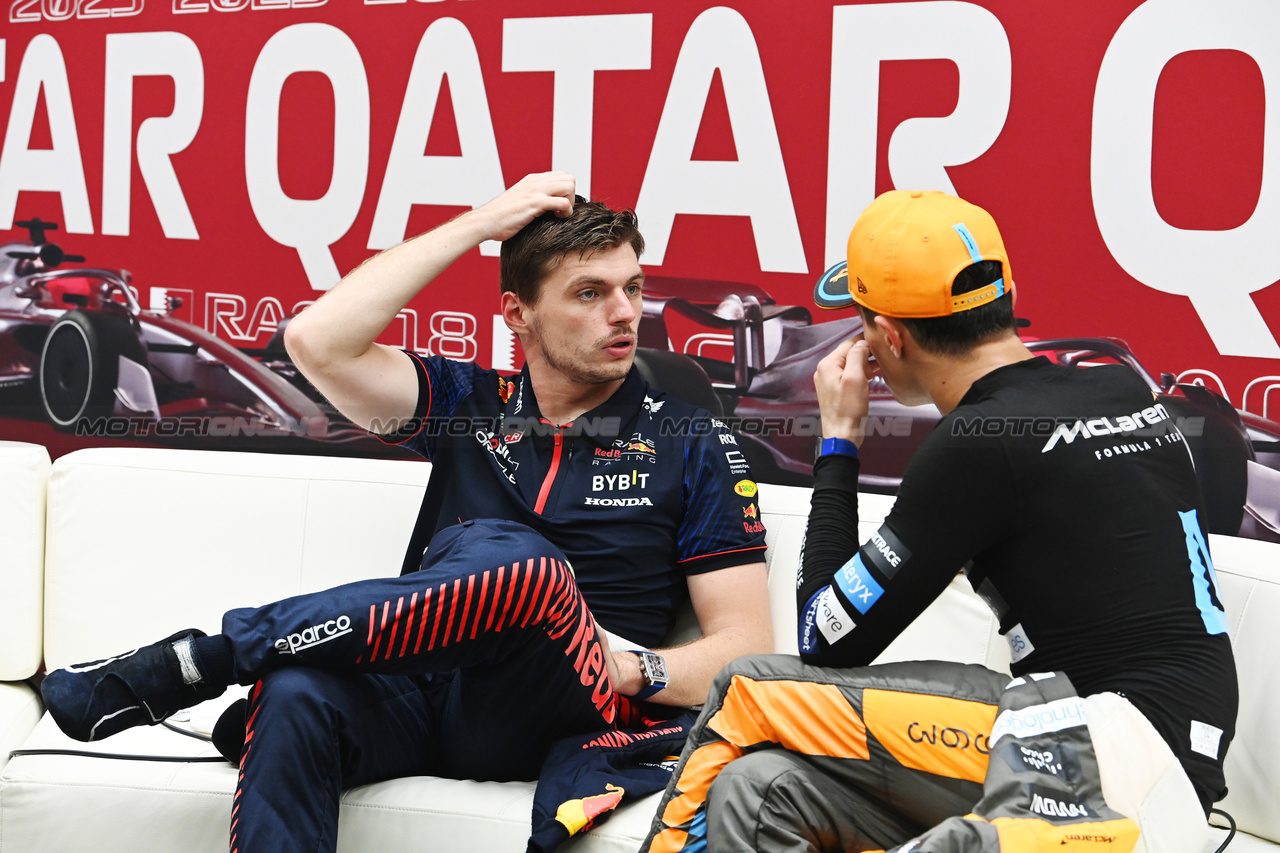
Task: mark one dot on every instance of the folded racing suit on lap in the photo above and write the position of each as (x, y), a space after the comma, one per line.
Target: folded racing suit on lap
(1042, 789)
(917, 756)
(585, 777)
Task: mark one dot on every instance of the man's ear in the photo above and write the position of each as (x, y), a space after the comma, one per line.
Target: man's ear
(894, 333)
(513, 313)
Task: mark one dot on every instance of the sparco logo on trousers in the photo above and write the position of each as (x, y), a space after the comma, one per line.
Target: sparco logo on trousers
(313, 636)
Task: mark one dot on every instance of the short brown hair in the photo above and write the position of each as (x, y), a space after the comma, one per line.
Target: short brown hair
(533, 252)
(958, 333)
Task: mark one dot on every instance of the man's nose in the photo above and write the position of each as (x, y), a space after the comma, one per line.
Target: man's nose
(621, 307)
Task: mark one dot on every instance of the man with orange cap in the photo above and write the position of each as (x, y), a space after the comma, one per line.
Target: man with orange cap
(1068, 498)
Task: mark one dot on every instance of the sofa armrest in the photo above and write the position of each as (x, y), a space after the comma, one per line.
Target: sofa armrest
(20, 710)
(24, 474)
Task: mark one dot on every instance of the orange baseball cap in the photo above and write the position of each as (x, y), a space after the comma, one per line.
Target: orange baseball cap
(907, 248)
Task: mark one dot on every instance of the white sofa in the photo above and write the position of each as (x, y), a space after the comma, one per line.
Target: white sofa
(136, 543)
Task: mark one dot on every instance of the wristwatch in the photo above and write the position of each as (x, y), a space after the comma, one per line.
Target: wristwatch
(834, 446)
(653, 669)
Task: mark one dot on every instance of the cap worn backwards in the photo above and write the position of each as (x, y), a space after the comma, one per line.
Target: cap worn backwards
(907, 248)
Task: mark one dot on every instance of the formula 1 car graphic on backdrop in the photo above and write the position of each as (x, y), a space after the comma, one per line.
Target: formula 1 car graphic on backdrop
(729, 347)
(79, 353)
(77, 350)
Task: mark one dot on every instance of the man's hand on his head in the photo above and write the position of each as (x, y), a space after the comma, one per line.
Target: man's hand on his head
(843, 393)
(334, 342)
(528, 198)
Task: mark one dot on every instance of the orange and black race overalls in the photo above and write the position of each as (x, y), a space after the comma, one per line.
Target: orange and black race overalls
(1069, 499)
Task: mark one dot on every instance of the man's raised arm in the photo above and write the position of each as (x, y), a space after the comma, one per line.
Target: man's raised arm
(332, 342)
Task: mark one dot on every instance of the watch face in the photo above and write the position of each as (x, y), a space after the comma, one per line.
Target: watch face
(655, 668)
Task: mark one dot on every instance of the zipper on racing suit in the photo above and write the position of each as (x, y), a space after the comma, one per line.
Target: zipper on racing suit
(555, 466)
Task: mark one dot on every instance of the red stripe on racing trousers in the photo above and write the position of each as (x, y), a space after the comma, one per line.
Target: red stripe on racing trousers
(563, 612)
(368, 641)
(533, 602)
(466, 607)
(497, 594)
(546, 596)
(511, 591)
(391, 641)
(589, 662)
(386, 607)
(422, 627)
(484, 588)
(244, 757)
(563, 606)
(408, 625)
(453, 609)
(524, 590)
(435, 626)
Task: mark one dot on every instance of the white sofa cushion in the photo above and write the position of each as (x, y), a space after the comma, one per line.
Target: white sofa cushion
(172, 539)
(125, 806)
(24, 471)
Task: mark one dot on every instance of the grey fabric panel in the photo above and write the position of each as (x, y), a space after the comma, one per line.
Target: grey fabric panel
(777, 801)
(918, 799)
(1042, 769)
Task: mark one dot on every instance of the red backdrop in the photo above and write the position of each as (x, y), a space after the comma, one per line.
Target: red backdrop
(1121, 146)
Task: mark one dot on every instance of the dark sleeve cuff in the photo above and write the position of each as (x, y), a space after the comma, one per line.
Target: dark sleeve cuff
(724, 559)
(419, 419)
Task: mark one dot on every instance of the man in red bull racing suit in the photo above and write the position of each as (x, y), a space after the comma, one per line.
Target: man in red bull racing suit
(1068, 496)
(564, 500)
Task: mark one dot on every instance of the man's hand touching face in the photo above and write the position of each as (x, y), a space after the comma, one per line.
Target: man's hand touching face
(843, 392)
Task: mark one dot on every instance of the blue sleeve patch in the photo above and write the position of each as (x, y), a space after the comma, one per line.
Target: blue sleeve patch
(808, 639)
(1204, 580)
(858, 586)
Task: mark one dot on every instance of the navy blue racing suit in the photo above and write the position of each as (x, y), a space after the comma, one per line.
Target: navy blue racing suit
(472, 664)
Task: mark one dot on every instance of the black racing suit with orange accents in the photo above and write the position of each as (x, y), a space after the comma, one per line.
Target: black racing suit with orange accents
(475, 662)
(1069, 497)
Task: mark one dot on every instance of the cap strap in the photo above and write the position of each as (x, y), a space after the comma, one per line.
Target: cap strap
(974, 298)
(969, 243)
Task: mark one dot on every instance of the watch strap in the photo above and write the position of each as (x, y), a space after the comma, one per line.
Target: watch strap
(650, 690)
(837, 446)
